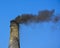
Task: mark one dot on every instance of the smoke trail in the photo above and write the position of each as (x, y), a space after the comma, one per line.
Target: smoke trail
(24, 18)
(42, 16)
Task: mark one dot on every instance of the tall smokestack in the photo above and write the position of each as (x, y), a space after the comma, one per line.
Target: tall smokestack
(14, 35)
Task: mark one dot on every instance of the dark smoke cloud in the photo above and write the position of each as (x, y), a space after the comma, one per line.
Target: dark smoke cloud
(45, 15)
(57, 18)
(24, 18)
(42, 16)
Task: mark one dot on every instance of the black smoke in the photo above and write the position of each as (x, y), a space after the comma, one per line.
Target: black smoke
(42, 16)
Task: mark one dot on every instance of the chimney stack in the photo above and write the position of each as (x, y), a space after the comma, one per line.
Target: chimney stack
(14, 35)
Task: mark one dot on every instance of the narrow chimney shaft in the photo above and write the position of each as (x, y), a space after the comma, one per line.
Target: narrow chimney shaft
(14, 35)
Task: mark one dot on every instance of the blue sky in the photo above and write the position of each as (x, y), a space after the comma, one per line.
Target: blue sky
(34, 35)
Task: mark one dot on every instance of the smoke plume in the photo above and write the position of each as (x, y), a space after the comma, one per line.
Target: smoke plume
(42, 16)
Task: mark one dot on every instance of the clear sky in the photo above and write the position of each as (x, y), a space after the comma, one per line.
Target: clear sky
(35, 35)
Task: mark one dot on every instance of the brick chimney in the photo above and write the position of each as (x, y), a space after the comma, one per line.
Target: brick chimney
(14, 35)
